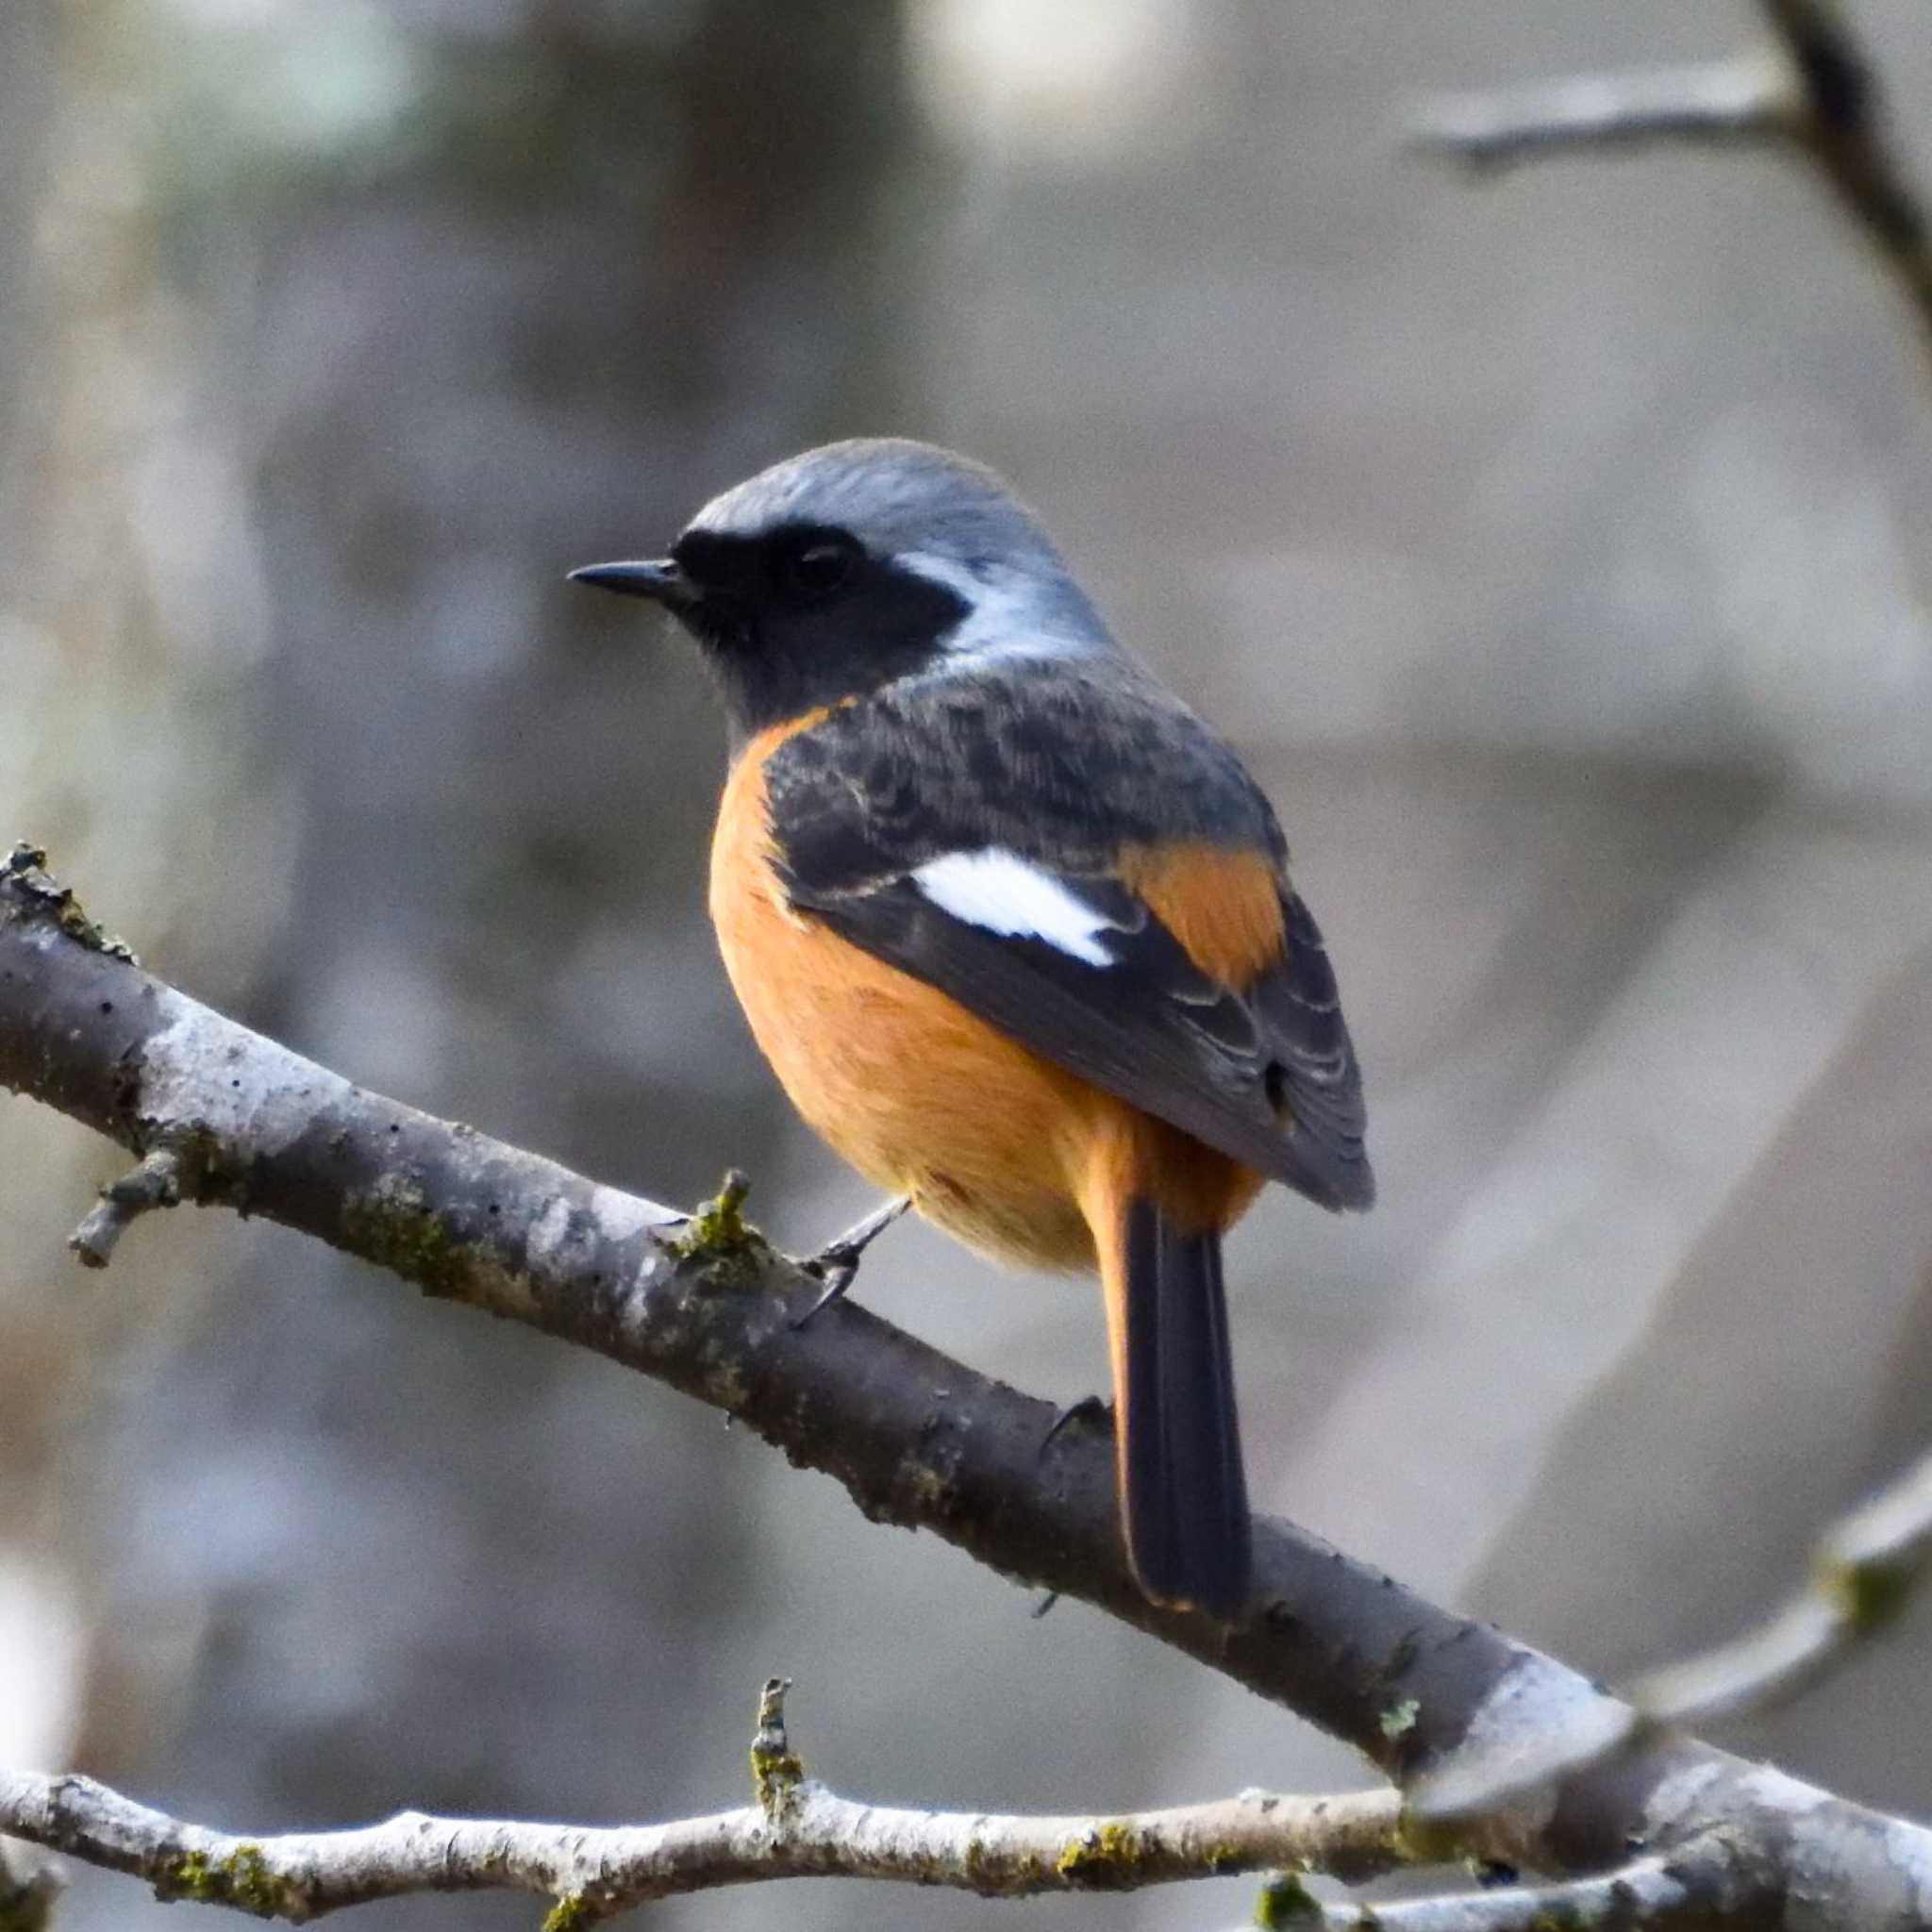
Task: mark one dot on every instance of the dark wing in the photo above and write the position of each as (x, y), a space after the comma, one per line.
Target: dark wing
(1070, 961)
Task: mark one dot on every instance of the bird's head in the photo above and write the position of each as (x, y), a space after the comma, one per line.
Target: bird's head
(852, 566)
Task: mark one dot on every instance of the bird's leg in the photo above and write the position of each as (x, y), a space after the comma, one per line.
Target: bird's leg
(1089, 1409)
(837, 1263)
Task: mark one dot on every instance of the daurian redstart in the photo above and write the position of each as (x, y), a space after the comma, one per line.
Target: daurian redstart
(1015, 927)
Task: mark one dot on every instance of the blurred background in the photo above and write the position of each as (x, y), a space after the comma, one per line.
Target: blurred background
(1556, 548)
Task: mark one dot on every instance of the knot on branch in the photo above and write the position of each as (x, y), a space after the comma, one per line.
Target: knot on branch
(1102, 1858)
(776, 1770)
(719, 1231)
(33, 887)
(241, 1879)
(155, 1183)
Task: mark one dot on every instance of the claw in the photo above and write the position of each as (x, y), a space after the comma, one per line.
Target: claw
(837, 1263)
(838, 1276)
(1089, 1409)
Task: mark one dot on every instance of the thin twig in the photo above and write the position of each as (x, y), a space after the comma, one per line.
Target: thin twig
(1722, 100)
(155, 1183)
(1815, 90)
(796, 1829)
(1846, 133)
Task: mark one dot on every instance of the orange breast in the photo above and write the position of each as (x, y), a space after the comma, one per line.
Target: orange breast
(993, 1142)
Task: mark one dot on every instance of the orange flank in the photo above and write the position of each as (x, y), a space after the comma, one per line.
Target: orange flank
(1224, 906)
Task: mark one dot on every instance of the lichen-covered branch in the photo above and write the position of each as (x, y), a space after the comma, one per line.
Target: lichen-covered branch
(796, 1829)
(1814, 90)
(918, 1439)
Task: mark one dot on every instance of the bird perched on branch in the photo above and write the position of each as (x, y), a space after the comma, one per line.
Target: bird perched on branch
(1015, 930)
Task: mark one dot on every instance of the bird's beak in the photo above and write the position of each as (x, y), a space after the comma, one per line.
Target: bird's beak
(661, 581)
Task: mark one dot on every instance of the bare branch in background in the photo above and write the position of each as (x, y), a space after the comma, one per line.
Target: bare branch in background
(796, 1829)
(1845, 133)
(1815, 90)
(1863, 1572)
(1722, 100)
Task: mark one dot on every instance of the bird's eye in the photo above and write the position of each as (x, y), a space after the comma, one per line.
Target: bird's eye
(815, 569)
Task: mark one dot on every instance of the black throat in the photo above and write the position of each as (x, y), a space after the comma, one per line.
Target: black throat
(781, 648)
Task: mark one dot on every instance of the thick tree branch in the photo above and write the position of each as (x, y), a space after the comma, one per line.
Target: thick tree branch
(796, 1829)
(702, 1304)
(1816, 91)
(919, 1439)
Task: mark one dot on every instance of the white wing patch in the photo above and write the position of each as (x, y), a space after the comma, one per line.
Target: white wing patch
(1001, 892)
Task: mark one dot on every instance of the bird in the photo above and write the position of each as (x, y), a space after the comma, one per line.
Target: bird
(1015, 930)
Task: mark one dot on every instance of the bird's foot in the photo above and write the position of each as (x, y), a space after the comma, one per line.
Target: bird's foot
(837, 1263)
(1089, 1409)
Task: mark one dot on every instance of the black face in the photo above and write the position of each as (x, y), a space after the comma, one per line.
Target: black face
(803, 615)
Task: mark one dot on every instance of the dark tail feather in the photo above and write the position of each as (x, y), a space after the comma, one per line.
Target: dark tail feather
(1184, 1497)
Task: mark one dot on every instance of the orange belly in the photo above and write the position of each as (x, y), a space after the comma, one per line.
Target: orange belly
(992, 1144)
